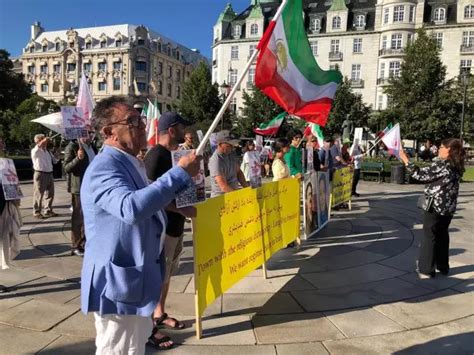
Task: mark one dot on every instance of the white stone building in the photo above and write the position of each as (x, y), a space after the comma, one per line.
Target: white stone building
(364, 38)
(124, 60)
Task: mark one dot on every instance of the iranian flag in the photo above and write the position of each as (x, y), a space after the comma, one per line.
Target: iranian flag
(315, 130)
(85, 100)
(392, 140)
(271, 128)
(152, 117)
(287, 71)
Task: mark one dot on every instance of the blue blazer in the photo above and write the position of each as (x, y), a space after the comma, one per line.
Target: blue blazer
(121, 272)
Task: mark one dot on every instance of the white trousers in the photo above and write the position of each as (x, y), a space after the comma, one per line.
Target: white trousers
(121, 334)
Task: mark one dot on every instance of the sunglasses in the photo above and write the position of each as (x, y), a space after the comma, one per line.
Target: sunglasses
(133, 121)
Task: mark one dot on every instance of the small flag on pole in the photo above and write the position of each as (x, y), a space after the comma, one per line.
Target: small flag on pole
(84, 99)
(392, 140)
(152, 115)
(315, 130)
(271, 128)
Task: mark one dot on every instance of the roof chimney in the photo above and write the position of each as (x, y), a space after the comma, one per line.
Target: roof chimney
(36, 30)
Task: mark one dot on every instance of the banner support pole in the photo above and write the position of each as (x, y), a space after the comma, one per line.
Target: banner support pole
(196, 292)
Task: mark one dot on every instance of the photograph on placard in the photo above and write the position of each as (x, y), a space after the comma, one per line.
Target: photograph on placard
(323, 193)
(195, 193)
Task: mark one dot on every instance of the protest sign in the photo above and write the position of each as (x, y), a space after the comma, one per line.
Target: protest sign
(309, 159)
(341, 186)
(200, 135)
(195, 193)
(73, 122)
(310, 206)
(9, 179)
(321, 183)
(213, 141)
(255, 169)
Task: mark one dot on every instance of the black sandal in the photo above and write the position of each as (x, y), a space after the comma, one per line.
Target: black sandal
(158, 343)
(159, 322)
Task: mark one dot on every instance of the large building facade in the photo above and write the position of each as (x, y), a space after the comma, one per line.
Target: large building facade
(365, 39)
(125, 60)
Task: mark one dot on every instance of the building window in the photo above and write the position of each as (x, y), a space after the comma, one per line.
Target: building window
(169, 90)
(360, 21)
(102, 86)
(398, 13)
(314, 47)
(386, 14)
(116, 84)
(33, 88)
(32, 49)
(140, 65)
(178, 75)
(170, 71)
(141, 86)
(334, 46)
(469, 12)
(44, 87)
(88, 45)
(45, 48)
(355, 72)
(234, 52)
(87, 67)
(251, 76)
(380, 102)
(44, 69)
(57, 68)
(438, 36)
(102, 66)
(396, 41)
(468, 38)
(411, 17)
(237, 31)
(315, 25)
(31, 69)
(71, 67)
(141, 42)
(178, 92)
(57, 46)
(252, 48)
(117, 66)
(382, 71)
(384, 42)
(118, 43)
(439, 14)
(409, 38)
(336, 23)
(160, 68)
(465, 65)
(254, 29)
(233, 105)
(394, 69)
(160, 87)
(103, 44)
(232, 77)
(357, 45)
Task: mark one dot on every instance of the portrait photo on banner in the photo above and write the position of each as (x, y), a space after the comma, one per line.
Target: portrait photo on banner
(310, 210)
(323, 193)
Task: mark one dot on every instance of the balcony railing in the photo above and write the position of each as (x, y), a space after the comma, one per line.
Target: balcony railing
(391, 51)
(335, 56)
(214, 63)
(357, 83)
(382, 81)
(467, 48)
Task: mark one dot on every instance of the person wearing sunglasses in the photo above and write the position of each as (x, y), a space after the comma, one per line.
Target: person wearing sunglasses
(125, 225)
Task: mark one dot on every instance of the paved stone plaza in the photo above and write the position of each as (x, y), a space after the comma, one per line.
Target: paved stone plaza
(351, 290)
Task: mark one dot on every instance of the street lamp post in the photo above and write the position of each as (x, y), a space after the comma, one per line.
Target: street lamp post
(465, 82)
(224, 88)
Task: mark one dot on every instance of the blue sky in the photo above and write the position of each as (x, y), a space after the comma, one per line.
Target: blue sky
(188, 22)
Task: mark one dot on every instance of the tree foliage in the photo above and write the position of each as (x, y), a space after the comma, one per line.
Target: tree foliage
(13, 88)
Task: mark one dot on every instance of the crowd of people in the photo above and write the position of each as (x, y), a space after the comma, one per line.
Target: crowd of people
(127, 227)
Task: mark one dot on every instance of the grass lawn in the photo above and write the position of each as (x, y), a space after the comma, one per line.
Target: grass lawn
(468, 174)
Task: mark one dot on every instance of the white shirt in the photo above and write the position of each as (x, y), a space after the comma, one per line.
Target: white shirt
(89, 151)
(42, 159)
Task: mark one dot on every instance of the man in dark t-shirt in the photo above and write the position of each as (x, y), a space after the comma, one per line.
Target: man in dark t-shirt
(158, 161)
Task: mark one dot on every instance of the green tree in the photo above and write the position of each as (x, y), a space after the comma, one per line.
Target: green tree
(258, 108)
(427, 106)
(13, 88)
(200, 101)
(346, 104)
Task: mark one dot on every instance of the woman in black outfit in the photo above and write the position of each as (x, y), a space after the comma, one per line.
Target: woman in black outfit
(442, 179)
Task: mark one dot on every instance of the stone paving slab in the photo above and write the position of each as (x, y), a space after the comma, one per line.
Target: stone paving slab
(22, 341)
(60, 268)
(30, 256)
(13, 276)
(425, 311)
(78, 324)
(294, 328)
(403, 261)
(353, 276)
(10, 300)
(179, 283)
(466, 286)
(49, 289)
(182, 304)
(37, 315)
(363, 322)
(70, 345)
(449, 338)
(358, 295)
(217, 349)
(261, 303)
(301, 349)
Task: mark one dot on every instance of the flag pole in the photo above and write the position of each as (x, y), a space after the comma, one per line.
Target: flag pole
(226, 104)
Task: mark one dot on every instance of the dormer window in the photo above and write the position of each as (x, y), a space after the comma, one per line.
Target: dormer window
(71, 44)
(439, 15)
(359, 22)
(118, 43)
(469, 12)
(315, 25)
(141, 42)
(103, 44)
(237, 31)
(336, 23)
(57, 46)
(32, 48)
(88, 45)
(254, 29)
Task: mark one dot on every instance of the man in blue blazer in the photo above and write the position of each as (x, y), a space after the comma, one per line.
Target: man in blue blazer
(125, 227)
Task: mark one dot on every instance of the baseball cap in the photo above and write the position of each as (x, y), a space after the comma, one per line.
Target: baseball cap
(170, 119)
(225, 137)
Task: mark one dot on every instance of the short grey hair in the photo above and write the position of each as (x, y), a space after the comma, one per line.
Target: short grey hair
(104, 111)
(38, 138)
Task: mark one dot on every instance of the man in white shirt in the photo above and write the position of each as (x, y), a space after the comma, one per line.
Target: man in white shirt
(43, 182)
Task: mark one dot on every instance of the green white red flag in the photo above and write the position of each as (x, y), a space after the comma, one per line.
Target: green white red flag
(287, 71)
(392, 140)
(315, 130)
(152, 117)
(271, 128)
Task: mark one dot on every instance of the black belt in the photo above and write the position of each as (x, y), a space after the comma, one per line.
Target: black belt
(43, 172)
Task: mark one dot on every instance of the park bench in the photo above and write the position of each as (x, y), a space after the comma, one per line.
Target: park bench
(372, 168)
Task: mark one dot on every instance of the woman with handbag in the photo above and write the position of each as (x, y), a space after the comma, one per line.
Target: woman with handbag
(442, 179)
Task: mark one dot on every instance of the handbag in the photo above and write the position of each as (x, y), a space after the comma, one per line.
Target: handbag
(425, 203)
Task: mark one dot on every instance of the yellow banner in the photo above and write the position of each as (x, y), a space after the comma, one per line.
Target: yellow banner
(230, 232)
(341, 185)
